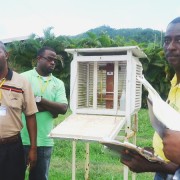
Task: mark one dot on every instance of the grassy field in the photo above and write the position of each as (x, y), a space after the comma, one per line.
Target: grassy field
(104, 164)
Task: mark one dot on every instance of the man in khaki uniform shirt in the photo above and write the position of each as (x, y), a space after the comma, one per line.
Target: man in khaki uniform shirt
(16, 97)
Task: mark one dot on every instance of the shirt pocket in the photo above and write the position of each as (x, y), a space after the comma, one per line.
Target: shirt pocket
(14, 100)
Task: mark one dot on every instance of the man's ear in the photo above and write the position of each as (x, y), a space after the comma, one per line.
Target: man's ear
(7, 55)
(38, 58)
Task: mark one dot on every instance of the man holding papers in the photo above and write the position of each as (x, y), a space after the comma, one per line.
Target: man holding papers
(171, 139)
(171, 142)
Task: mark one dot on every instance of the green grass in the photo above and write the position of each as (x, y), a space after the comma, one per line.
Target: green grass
(104, 164)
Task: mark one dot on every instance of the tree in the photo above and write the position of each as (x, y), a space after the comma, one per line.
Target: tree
(156, 69)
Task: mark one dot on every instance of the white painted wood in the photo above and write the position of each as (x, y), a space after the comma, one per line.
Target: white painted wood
(92, 117)
(126, 172)
(88, 127)
(87, 162)
(135, 49)
(73, 160)
(116, 69)
(101, 58)
(95, 86)
(87, 89)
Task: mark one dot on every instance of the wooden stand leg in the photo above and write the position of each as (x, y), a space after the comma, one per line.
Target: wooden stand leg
(131, 134)
(134, 138)
(125, 172)
(87, 162)
(73, 160)
(134, 174)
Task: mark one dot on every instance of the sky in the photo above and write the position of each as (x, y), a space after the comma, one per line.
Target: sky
(72, 17)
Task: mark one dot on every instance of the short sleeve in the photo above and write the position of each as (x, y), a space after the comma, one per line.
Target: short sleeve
(61, 93)
(29, 105)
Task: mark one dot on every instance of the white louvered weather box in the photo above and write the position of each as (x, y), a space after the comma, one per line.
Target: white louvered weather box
(103, 80)
(105, 94)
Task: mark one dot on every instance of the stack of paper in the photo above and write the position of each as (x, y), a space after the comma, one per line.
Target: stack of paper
(121, 147)
(162, 115)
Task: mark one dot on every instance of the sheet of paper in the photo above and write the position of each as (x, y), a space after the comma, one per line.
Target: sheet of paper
(156, 124)
(160, 110)
(120, 148)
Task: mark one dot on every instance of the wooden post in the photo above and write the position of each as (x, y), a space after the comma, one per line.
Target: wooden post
(73, 160)
(135, 118)
(125, 172)
(87, 162)
(109, 85)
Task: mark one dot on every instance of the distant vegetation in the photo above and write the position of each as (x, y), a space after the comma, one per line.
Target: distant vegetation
(137, 34)
(156, 68)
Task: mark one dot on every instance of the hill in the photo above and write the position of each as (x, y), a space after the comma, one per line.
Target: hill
(137, 34)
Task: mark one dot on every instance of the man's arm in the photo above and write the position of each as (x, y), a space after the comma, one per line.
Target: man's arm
(139, 164)
(54, 108)
(32, 130)
(58, 105)
(171, 142)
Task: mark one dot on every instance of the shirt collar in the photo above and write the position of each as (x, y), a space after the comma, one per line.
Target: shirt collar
(9, 74)
(37, 75)
(174, 81)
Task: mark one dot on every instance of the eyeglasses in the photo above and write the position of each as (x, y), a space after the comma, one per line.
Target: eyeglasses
(50, 59)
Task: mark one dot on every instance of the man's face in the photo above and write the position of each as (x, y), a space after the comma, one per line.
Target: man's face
(3, 59)
(172, 45)
(47, 61)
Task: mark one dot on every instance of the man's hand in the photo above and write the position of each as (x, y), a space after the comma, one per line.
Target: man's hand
(32, 130)
(54, 108)
(40, 107)
(171, 142)
(137, 163)
(32, 157)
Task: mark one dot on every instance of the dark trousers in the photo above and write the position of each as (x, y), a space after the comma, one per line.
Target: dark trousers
(40, 171)
(163, 176)
(12, 161)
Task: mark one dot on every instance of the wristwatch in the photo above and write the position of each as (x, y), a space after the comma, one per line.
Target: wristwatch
(38, 99)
